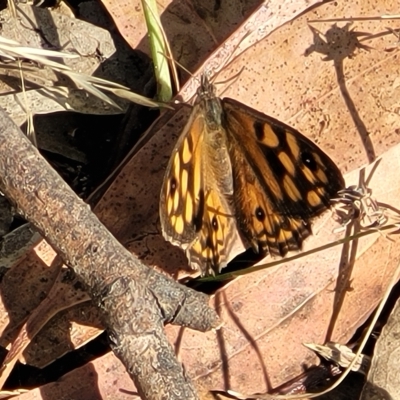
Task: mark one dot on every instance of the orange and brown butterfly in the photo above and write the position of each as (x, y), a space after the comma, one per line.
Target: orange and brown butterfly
(237, 171)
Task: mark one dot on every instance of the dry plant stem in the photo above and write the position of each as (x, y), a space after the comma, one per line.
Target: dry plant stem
(135, 300)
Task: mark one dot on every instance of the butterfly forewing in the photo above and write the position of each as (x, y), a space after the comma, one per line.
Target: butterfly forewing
(196, 207)
(177, 193)
(282, 179)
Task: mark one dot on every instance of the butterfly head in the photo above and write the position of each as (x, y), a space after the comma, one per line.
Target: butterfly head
(206, 89)
(209, 104)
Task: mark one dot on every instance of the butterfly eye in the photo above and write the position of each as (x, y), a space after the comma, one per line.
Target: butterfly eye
(309, 161)
(260, 214)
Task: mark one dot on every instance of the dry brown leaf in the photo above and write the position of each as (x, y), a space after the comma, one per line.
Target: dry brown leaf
(25, 289)
(43, 28)
(384, 372)
(104, 378)
(195, 28)
(46, 90)
(208, 25)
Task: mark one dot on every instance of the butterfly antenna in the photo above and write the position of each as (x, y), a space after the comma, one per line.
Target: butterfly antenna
(230, 59)
(233, 79)
(171, 59)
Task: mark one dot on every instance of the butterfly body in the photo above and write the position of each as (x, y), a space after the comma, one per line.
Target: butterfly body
(237, 174)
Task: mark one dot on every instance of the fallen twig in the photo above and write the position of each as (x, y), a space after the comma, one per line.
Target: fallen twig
(135, 300)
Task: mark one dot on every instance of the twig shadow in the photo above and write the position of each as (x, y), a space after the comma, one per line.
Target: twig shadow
(337, 44)
(221, 297)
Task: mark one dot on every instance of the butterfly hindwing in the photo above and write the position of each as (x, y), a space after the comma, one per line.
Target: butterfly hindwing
(211, 250)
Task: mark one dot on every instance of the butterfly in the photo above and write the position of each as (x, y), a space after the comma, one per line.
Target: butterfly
(234, 172)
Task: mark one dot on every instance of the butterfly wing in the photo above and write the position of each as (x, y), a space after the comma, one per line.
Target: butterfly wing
(175, 203)
(281, 179)
(196, 206)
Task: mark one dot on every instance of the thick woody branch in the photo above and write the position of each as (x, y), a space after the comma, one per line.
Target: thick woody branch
(135, 300)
